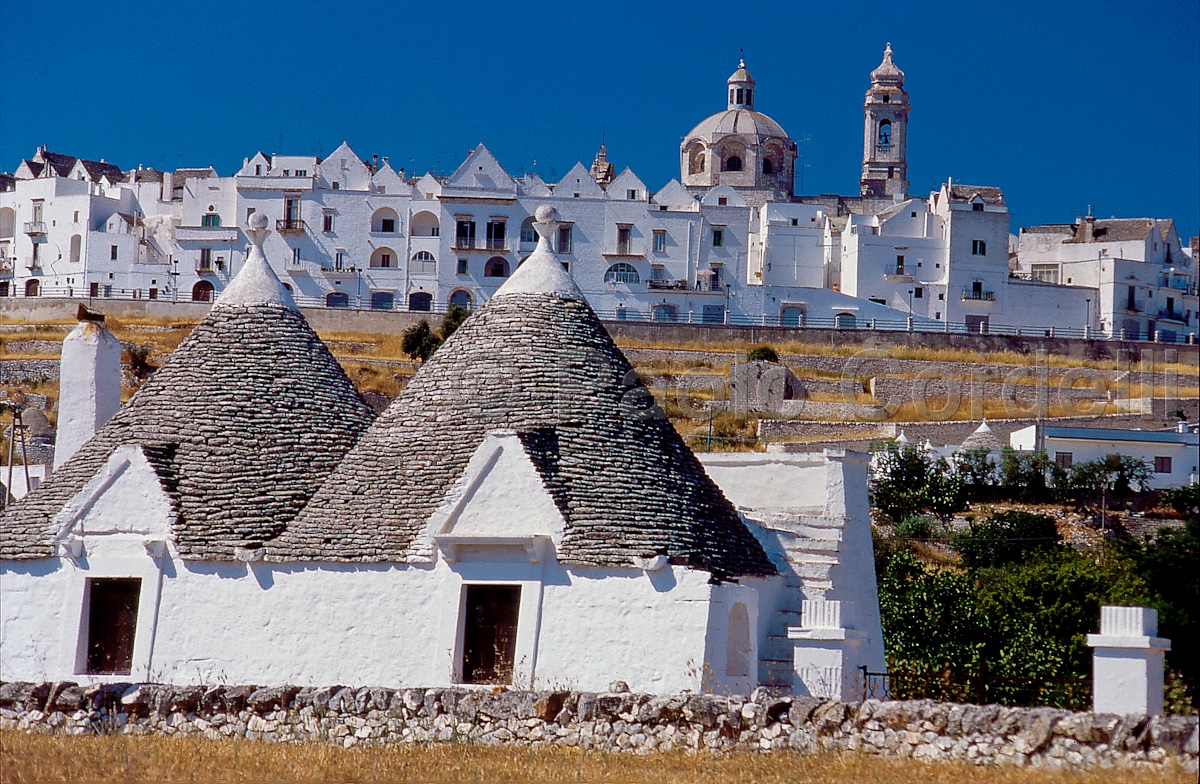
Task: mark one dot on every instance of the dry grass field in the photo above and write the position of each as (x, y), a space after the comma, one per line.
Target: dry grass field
(26, 758)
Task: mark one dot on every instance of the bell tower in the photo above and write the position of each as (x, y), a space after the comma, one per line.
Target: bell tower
(885, 132)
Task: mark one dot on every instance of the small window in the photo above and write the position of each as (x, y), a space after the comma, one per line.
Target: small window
(622, 273)
(1064, 459)
(978, 248)
(977, 207)
(496, 267)
(258, 170)
(768, 167)
(722, 201)
(206, 261)
(112, 253)
(733, 163)
(387, 225)
(490, 633)
(718, 238)
(341, 261)
(327, 222)
(565, 239)
(1162, 465)
(887, 99)
(93, 289)
(211, 220)
(337, 186)
(301, 172)
(529, 235)
(631, 194)
(660, 241)
(463, 267)
(295, 255)
(112, 625)
(919, 292)
(941, 295)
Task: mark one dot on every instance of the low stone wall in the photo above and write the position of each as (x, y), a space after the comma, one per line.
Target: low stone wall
(614, 721)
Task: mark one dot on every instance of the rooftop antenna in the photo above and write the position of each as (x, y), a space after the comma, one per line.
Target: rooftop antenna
(18, 431)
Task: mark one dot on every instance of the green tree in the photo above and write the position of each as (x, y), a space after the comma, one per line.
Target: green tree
(453, 319)
(977, 473)
(419, 341)
(908, 482)
(1115, 478)
(1029, 477)
(1005, 538)
(762, 354)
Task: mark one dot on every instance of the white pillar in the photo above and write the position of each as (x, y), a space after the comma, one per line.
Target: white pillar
(1127, 662)
(89, 385)
(826, 654)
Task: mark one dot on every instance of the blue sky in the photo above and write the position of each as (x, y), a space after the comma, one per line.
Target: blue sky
(1061, 104)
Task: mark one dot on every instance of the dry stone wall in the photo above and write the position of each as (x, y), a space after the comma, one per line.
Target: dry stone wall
(613, 721)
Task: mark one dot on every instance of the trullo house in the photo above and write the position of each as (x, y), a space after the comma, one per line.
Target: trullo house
(522, 514)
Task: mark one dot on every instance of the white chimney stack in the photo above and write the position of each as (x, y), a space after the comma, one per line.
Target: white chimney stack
(89, 384)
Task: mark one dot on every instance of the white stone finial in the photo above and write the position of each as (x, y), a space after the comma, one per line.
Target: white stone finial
(542, 273)
(257, 231)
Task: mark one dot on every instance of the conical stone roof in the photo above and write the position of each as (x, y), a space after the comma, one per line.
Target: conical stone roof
(535, 360)
(241, 425)
(983, 439)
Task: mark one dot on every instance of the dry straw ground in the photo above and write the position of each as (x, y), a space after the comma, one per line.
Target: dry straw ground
(119, 758)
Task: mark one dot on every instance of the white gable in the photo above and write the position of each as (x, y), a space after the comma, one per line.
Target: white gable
(578, 181)
(731, 196)
(249, 167)
(499, 498)
(481, 170)
(533, 185)
(628, 181)
(388, 181)
(676, 197)
(124, 497)
(427, 187)
(344, 167)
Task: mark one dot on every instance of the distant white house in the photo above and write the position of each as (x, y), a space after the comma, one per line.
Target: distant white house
(1172, 455)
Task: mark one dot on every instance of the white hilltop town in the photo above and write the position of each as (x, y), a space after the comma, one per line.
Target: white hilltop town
(729, 241)
(520, 541)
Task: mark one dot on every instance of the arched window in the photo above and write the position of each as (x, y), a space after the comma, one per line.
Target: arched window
(529, 235)
(202, 292)
(462, 299)
(383, 258)
(420, 300)
(496, 267)
(845, 321)
(622, 273)
(885, 135)
(288, 287)
(424, 224)
(382, 300)
(768, 167)
(423, 263)
(733, 163)
(737, 642)
(664, 312)
(31, 287)
(696, 159)
(791, 317)
(76, 248)
(337, 299)
(385, 221)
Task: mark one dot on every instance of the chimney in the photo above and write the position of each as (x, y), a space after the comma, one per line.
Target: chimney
(89, 384)
(168, 186)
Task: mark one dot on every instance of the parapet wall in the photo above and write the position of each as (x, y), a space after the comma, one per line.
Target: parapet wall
(614, 721)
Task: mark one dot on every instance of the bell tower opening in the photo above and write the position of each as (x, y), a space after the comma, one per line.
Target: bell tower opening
(885, 133)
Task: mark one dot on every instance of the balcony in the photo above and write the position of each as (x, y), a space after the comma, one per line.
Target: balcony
(978, 296)
(33, 264)
(291, 226)
(1171, 315)
(205, 269)
(500, 244)
(1133, 307)
(35, 228)
(464, 243)
(206, 234)
(669, 285)
(898, 271)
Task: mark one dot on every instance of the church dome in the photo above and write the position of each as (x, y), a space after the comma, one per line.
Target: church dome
(739, 146)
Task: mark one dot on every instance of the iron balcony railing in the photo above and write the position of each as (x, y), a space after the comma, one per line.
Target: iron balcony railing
(1170, 315)
(35, 227)
(291, 226)
(984, 296)
(899, 270)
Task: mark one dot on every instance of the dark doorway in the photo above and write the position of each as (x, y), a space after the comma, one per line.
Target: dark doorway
(490, 635)
(112, 622)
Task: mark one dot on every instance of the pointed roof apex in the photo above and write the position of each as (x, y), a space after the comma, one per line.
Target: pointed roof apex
(542, 273)
(902, 438)
(887, 73)
(256, 283)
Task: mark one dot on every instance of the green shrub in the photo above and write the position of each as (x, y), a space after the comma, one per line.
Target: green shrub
(762, 354)
(915, 527)
(1004, 538)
